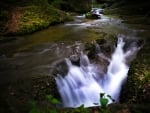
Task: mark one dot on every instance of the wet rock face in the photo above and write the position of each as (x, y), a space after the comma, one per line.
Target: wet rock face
(60, 68)
(99, 46)
(72, 56)
(137, 87)
(100, 52)
(129, 43)
(132, 46)
(75, 59)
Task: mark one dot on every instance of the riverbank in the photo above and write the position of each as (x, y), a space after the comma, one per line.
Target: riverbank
(20, 20)
(28, 16)
(137, 88)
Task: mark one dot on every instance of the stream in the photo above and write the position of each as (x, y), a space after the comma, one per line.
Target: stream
(33, 55)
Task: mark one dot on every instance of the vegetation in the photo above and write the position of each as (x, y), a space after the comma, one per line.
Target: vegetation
(35, 18)
(26, 16)
(80, 6)
(50, 107)
(47, 109)
(31, 16)
(52, 103)
(132, 12)
(137, 89)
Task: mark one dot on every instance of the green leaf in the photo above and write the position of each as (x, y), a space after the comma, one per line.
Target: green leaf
(52, 111)
(76, 110)
(55, 101)
(32, 103)
(49, 97)
(110, 98)
(34, 110)
(104, 102)
(82, 106)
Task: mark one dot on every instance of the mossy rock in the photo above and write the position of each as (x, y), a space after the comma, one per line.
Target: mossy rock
(137, 87)
(105, 43)
(32, 18)
(92, 16)
(36, 18)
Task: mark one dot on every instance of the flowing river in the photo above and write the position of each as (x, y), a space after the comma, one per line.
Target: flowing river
(33, 55)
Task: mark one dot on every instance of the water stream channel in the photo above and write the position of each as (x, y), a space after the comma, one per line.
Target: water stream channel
(33, 55)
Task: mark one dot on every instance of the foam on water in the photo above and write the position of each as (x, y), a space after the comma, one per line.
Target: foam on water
(83, 84)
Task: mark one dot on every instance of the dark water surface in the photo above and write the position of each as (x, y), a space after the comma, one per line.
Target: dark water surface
(32, 55)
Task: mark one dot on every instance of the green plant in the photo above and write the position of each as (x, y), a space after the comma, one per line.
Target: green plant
(52, 100)
(104, 99)
(47, 109)
(34, 109)
(81, 109)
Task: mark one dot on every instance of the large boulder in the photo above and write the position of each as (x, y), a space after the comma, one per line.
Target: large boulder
(60, 68)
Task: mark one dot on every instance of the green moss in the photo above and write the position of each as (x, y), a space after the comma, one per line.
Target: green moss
(3, 18)
(32, 15)
(136, 89)
(90, 16)
(36, 18)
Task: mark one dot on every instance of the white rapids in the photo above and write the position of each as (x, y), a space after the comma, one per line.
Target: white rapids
(83, 84)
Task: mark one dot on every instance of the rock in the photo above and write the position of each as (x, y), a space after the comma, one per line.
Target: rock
(136, 89)
(75, 59)
(95, 13)
(92, 16)
(101, 41)
(132, 43)
(60, 68)
(99, 46)
(91, 50)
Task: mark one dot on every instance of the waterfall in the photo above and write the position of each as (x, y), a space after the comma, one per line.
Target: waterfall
(84, 83)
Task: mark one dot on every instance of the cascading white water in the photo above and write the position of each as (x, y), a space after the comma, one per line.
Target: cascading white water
(83, 84)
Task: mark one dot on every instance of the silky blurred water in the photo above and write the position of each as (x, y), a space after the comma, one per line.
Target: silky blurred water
(84, 83)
